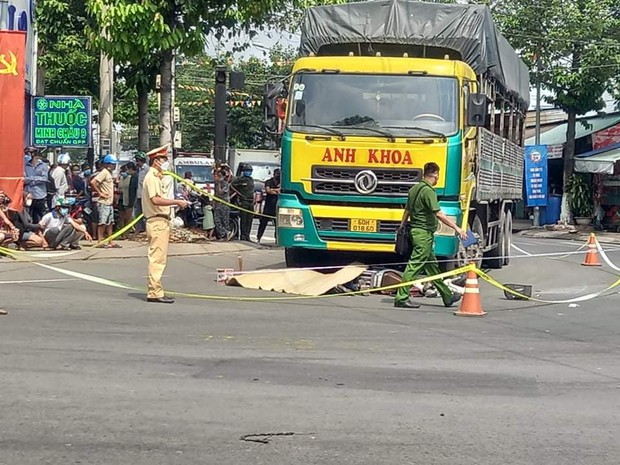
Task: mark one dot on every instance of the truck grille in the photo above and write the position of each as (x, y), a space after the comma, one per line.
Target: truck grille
(339, 224)
(390, 182)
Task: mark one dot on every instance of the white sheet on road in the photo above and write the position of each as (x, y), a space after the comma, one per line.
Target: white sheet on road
(297, 281)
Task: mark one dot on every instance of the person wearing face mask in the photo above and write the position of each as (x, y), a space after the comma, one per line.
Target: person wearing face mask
(423, 213)
(103, 185)
(76, 182)
(35, 182)
(157, 211)
(272, 191)
(60, 230)
(125, 203)
(243, 186)
(30, 233)
(59, 174)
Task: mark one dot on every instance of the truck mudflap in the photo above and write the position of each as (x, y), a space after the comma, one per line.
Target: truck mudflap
(300, 228)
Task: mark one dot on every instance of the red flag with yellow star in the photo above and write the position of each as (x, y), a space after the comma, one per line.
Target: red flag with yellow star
(12, 103)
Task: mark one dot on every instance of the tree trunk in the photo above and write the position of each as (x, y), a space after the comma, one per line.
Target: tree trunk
(143, 118)
(569, 162)
(165, 106)
(40, 85)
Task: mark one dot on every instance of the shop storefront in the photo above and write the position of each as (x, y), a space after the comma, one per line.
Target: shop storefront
(603, 166)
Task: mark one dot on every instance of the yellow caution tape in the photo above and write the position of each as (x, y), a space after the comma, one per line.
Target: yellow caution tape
(582, 298)
(213, 197)
(112, 283)
(120, 232)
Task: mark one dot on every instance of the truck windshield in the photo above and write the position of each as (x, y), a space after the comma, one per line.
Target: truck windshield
(201, 174)
(409, 106)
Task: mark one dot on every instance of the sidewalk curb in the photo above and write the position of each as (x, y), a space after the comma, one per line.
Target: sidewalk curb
(560, 235)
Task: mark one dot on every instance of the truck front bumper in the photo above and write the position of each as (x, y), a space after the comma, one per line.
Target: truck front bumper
(328, 227)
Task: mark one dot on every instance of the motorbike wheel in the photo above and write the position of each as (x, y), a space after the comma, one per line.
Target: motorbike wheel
(234, 228)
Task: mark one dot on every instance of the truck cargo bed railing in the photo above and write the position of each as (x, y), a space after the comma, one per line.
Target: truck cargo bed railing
(499, 170)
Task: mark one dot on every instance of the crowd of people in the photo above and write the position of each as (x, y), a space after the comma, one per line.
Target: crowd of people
(64, 203)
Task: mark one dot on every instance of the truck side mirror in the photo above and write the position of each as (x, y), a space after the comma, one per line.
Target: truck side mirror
(476, 109)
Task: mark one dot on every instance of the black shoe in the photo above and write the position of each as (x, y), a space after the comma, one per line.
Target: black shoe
(161, 300)
(76, 247)
(454, 299)
(406, 304)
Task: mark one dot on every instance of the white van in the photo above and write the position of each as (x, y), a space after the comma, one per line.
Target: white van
(199, 165)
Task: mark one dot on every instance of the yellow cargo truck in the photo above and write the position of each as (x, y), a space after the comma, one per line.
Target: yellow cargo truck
(381, 89)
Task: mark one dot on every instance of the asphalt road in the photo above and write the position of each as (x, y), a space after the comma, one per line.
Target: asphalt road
(92, 374)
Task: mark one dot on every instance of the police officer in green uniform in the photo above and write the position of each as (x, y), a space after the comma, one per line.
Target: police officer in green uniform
(424, 214)
(244, 187)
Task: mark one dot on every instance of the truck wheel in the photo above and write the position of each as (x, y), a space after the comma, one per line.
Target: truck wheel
(473, 253)
(507, 238)
(495, 258)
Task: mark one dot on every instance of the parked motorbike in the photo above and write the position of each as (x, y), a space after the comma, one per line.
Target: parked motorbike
(81, 210)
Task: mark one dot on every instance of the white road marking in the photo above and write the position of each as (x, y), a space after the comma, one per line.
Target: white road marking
(520, 250)
(35, 281)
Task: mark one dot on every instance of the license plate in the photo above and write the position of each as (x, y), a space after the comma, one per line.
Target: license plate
(363, 225)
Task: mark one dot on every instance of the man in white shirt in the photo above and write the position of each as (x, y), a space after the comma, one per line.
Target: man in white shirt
(59, 174)
(62, 231)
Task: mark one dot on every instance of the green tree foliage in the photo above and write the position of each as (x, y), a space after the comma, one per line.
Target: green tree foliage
(572, 47)
(195, 86)
(66, 65)
(157, 29)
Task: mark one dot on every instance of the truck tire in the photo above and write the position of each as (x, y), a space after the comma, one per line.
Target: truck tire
(507, 237)
(495, 258)
(473, 253)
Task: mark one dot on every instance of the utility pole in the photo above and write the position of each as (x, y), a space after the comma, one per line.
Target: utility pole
(537, 138)
(106, 100)
(219, 151)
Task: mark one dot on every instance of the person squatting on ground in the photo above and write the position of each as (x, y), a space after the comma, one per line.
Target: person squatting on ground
(423, 212)
(103, 185)
(8, 231)
(60, 230)
(157, 211)
(30, 233)
(272, 191)
(244, 187)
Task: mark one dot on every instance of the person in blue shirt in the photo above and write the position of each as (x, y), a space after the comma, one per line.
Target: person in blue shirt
(35, 182)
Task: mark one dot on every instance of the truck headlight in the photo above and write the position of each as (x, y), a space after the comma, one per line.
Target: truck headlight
(290, 218)
(446, 230)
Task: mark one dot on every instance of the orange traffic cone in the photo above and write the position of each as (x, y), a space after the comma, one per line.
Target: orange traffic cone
(471, 305)
(592, 253)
